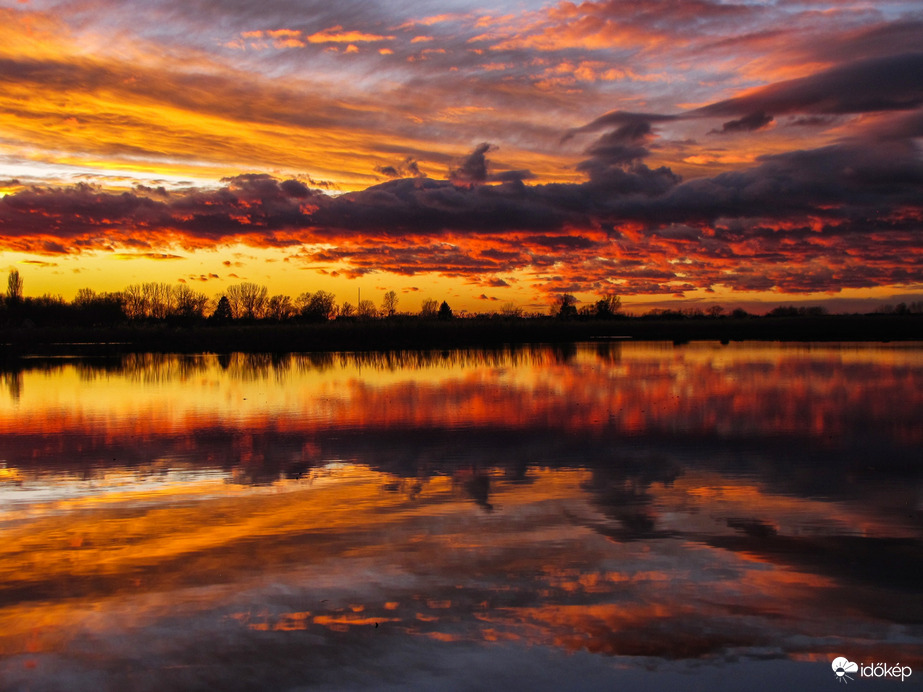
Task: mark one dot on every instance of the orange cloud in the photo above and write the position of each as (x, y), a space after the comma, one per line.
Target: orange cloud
(336, 34)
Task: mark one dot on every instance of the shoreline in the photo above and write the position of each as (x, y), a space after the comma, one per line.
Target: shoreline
(415, 334)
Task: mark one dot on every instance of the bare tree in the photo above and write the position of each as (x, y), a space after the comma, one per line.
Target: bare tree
(429, 309)
(235, 302)
(184, 302)
(247, 300)
(84, 297)
(280, 308)
(367, 310)
(14, 286)
(254, 298)
(389, 304)
(511, 310)
(159, 299)
(347, 309)
(302, 300)
(136, 307)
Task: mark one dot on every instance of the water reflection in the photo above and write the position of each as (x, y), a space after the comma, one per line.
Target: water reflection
(613, 514)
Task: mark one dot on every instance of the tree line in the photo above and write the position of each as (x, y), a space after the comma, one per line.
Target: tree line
(179, 303)
(251, 302)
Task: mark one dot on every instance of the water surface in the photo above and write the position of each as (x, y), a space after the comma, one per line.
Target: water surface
(631, 515)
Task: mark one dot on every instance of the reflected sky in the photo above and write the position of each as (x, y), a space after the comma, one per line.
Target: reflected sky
(637, 515)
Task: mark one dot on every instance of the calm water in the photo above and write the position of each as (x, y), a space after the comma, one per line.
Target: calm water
(614, 516)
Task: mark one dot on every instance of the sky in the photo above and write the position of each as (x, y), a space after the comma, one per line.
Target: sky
(677, 153)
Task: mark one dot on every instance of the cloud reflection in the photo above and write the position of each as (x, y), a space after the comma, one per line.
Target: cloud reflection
(278, 546)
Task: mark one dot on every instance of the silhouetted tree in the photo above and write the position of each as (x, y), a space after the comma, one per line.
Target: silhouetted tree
(347, 311)
(158, 299)
(98, 308)
(280, 308)
(783, 311)
(367, 310)
(301, 302)
(84, 297)
(511, 310)
(135, 302)
(567, 307)
(389, 304)
(664, 314)
(186, 303)
(14, 284)
(253, 299)
(317, 307)
(813, 311)
(429, 309)
(445, 312)
(222, 311)
(608, 306)
(48, 309)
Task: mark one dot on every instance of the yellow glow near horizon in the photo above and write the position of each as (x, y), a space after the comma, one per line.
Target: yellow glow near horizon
(212, 271)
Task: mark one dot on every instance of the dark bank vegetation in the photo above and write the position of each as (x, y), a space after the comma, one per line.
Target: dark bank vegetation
(160, 317)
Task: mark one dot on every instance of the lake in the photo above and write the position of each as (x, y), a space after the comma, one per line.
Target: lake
(601, 516)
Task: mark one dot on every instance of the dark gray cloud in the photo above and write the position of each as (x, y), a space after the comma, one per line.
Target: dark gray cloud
(624, 122)
(890, 83)
(408, 168)
(473, 168)
(749, 123)
(894, 82)
(752, 229)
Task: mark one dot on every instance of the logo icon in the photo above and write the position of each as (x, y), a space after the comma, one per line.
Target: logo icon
(841, 666)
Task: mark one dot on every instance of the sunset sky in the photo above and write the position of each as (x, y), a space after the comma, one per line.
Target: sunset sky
(676, 153)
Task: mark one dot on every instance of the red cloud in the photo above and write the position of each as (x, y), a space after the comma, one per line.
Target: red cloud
(821, 220)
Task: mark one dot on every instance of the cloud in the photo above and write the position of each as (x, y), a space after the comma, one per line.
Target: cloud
(408, 168)
(336, 34)
(803, 221)
(614, 162)
(749, 123)
(812, 121)
(638, 124)
(863, 86)
(147, 255)
(877, 40)
(799, 221)
(473, 168)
